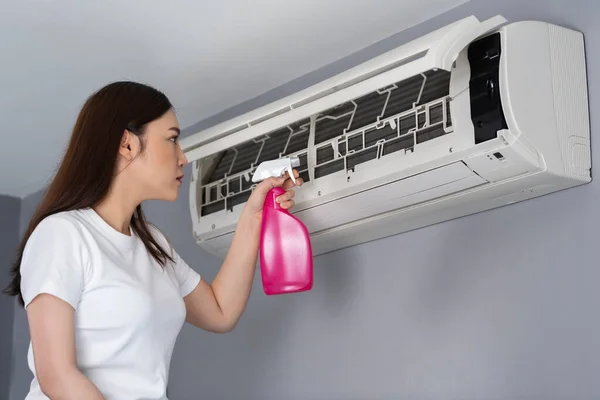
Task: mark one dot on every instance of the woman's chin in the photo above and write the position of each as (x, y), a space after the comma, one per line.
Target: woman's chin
(173, 197)
(170, 196)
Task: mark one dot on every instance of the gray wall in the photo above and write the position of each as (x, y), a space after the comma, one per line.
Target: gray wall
(21, 376)
(499, 305)
(9, 236)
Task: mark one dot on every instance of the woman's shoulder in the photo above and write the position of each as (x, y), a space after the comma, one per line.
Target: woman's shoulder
(56, 239)
(64, 225)
(56, 259)
(61, 222)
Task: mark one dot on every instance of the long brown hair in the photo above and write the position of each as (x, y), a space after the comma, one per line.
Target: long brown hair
(87, 169)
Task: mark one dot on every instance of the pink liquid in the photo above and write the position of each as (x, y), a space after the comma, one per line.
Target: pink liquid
(286, 261)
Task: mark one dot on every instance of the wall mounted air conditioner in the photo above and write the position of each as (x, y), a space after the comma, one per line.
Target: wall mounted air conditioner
(470, 117)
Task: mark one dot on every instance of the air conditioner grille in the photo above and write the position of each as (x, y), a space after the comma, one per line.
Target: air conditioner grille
(391, 119)
(388, 120)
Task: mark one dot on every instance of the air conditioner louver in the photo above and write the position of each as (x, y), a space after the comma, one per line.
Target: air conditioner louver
(230, 183)
(389, 119)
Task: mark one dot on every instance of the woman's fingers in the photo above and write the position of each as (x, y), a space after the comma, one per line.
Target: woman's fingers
(286, 196)
(288, 181)
(287, 204)
(286, 200)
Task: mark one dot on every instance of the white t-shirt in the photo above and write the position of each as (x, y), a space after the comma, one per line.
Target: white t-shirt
(129, 309)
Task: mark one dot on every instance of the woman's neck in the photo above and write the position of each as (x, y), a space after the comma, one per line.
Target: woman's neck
(118, 207)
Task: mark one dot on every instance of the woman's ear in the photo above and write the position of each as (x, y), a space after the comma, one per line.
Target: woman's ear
(127, 147)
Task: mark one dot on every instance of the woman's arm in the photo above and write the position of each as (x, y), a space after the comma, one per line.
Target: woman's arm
(53, 340)
(218, 306)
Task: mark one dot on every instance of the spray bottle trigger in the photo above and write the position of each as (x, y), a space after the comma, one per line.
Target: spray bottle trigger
(291, 174)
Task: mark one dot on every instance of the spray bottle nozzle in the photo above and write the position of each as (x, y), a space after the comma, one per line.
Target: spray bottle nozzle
(276, 168)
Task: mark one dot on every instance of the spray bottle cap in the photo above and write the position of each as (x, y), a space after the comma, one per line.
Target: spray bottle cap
(276, 168)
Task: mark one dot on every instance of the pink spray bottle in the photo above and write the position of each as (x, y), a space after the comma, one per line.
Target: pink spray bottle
(286, 261)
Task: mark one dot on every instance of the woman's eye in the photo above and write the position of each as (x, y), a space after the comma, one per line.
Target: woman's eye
(174, 139)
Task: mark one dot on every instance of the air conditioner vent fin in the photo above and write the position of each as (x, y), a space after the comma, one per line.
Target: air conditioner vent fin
(413, 113)
(385, 121)
(237, 163)
(382, 104)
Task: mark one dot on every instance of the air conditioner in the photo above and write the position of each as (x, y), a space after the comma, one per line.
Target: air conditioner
(473, 116)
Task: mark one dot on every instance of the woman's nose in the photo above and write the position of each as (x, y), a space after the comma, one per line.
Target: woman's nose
(182, 158)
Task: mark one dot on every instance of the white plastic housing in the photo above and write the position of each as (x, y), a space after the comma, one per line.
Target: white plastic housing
(394, 144)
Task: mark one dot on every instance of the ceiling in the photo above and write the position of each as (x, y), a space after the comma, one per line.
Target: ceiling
(206, 56)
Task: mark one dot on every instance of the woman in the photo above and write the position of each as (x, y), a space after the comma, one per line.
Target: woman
(105, 294)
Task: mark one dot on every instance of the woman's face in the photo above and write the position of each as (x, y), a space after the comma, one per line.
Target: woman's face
(159, 168)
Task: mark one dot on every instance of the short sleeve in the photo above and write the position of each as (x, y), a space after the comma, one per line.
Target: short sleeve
(186, 277)
(54, 261)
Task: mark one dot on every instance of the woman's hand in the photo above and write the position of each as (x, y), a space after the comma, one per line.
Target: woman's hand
(255, 203)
